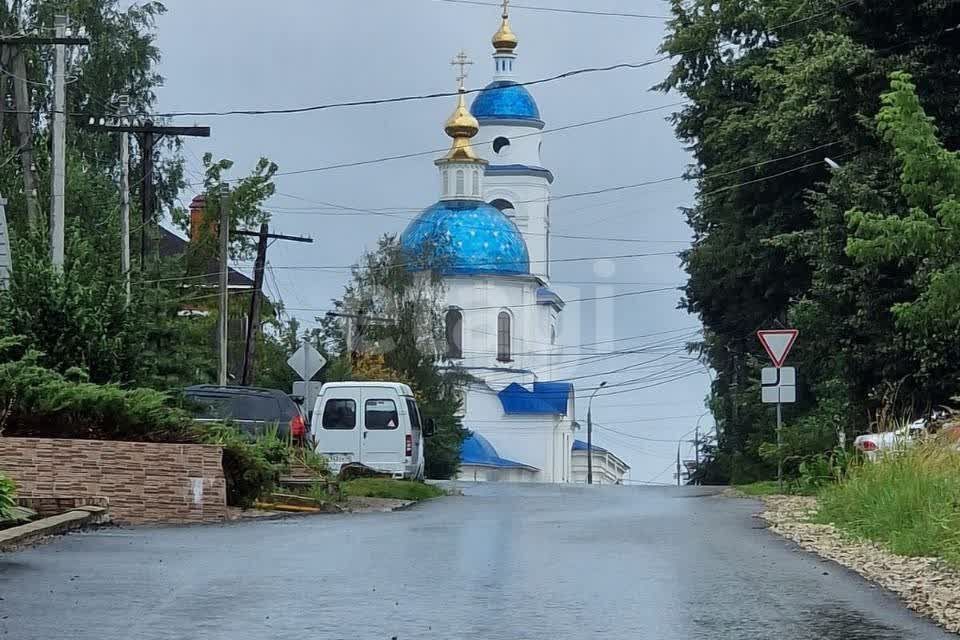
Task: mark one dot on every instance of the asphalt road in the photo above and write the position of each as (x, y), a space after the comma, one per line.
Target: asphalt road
(502, 562)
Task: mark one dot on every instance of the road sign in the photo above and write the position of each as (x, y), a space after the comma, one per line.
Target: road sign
(307, 361)
(778, 385)
(778, 343)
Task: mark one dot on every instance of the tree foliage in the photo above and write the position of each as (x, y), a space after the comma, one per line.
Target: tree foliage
(399, 336)
(774, 86)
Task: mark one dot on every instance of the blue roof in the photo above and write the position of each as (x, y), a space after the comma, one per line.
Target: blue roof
(477, 450)
(546, 398)
(505, 100)
(546, 295)
(466, 237)
(580, 445)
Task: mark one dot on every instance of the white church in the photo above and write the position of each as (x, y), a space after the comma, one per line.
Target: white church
(489, 234)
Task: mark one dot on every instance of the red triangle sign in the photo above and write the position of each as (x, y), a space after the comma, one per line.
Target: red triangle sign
(777, 343)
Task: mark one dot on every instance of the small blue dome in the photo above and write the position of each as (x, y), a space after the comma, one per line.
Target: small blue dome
(505, 100)
(466, 237)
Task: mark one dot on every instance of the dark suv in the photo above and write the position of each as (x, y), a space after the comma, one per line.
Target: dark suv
(253, 410)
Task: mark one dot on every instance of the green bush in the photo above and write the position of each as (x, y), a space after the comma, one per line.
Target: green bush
(908, 502)
(10, 511)
(40, 402)
(251, 467)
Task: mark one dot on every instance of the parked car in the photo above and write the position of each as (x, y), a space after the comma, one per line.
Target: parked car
(377, 424)
(876, 445)
(252, 409)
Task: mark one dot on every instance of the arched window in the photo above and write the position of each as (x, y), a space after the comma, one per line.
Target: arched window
(454, 328)
(461, 183)
(446, 183)
(553, 335)
(476, 183)
(500, 143)
(503, 337)
(505, 206)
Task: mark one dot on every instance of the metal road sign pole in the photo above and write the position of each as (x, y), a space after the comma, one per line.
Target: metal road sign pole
(779, 448)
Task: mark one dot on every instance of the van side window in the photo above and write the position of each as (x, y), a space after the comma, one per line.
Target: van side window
(381, 415)
(414, 414)
(339, 414)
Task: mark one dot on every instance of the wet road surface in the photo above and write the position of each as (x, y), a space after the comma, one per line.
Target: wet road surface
(502, 562)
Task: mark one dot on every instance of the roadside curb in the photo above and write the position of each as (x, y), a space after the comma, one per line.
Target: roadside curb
(54, 525)
(924, 585)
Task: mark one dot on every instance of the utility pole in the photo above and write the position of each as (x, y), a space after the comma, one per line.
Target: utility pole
(149, 134)
(22, 102)
(590, 432)
(696, 446)
(224, 303)
(125, 195)
(678, 464)
(253, 320)
(58, 172)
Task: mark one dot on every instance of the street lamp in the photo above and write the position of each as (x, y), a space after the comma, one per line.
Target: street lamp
(590, 433)
(833, 164)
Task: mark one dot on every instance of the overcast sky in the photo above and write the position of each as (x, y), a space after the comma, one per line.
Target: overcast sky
(220, 56)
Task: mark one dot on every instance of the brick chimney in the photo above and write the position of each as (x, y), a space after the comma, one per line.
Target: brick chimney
(197, 206)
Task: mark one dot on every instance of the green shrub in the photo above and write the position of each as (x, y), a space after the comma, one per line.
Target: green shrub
(908, 502)
(10, 511)
(251, 467)
(40, 402)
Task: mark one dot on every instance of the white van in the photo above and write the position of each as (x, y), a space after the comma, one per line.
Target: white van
(375, 423)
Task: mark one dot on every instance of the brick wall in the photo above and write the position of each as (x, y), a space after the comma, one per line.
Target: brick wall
(143, 482)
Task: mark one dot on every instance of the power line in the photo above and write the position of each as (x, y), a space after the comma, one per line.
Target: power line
(447, 94)
(526, 7)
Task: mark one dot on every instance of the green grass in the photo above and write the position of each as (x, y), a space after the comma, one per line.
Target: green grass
(770, 488)
(389, 488)
(910, 503)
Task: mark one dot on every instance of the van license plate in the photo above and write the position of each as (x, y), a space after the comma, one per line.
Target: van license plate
(340, 457)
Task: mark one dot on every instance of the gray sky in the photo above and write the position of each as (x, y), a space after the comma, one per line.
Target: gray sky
(302, 52)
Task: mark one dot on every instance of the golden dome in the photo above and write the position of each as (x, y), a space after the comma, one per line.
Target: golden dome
(461, 126)
(505, 39)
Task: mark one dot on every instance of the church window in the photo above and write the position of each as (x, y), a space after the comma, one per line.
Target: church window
(500, 143)
(454, 330)
(503, 337)
(505, 206)
(461, 183)
(553, 335)
(476, 183)
(446, 183)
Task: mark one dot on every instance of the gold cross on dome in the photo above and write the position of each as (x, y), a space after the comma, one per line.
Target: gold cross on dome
(506, 8)
(461, 60)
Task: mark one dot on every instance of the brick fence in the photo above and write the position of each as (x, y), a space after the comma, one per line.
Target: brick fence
(143, 482)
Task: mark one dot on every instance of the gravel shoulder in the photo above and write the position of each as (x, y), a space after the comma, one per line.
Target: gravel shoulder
(925, 585)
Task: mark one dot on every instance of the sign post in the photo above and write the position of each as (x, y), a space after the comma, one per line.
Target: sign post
(778, 383)
(306, 362)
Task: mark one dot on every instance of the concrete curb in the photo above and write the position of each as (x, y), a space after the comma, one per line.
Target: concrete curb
(54, 525)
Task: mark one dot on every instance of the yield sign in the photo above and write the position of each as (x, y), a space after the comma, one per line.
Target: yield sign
(778, 343)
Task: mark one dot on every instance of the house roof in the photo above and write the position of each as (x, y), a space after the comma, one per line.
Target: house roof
(580, 445)
(172, 245)
(549, 398)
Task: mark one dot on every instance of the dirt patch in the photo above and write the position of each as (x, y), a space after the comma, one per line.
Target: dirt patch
(926, 585)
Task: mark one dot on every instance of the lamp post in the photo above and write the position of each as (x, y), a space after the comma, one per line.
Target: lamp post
(590, 433)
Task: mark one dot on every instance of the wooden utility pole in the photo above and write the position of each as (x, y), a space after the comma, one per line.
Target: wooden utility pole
(21, 94)
(59, 134)
(22, 100)
(253, 320)
(148, 134)
(224, 302)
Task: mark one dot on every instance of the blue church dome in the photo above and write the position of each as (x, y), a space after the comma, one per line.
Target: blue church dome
(505, 100)
(467, 237)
